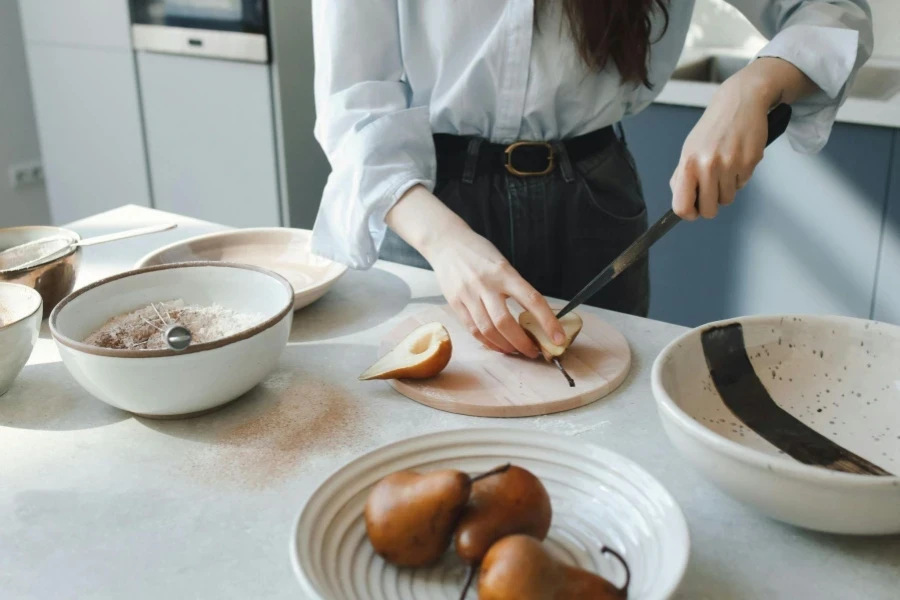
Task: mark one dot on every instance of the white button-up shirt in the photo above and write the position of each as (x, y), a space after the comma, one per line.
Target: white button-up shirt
(390, 73)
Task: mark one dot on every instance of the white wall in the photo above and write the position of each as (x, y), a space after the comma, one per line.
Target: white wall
(18, 133)
(887, 27)
(716, 23)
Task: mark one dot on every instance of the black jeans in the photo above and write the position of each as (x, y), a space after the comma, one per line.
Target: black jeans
(558, 230)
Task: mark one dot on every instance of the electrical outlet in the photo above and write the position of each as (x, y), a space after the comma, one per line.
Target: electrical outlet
(24, 174)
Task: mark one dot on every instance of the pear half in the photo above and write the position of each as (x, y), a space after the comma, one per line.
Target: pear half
(571, 324)
(422, 354)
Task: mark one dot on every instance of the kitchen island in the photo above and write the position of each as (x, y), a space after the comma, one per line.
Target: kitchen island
(96, 503)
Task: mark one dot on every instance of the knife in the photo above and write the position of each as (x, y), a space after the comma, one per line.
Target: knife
(778, 120)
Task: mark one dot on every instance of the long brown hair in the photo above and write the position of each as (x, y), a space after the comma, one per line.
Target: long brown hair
(617, 30)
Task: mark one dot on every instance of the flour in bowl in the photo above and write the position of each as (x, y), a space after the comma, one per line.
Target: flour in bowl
(143, 329)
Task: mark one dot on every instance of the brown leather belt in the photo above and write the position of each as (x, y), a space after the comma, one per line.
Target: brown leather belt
(522, 159)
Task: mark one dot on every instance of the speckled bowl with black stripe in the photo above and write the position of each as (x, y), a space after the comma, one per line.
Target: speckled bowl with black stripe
(796, 416)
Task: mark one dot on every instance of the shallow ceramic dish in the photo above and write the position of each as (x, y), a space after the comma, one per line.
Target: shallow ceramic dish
(285, 251)
(55, 279)
(598, 498)
(826, 407)
(166, 383)
(20, 324)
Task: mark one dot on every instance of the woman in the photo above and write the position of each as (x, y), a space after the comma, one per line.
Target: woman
(422, 105)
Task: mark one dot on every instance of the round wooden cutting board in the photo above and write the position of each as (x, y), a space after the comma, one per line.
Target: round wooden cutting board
(483, 383)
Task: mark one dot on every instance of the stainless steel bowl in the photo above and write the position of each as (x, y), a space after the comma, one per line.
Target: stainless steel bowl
(54, 280)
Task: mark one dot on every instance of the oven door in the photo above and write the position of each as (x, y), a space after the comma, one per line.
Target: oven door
(223, 29)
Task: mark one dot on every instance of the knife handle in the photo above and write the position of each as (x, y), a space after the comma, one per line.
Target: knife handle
(778, 118)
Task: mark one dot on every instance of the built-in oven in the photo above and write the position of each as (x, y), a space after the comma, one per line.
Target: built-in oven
(224, 29)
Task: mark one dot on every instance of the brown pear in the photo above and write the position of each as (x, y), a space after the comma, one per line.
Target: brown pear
(571, 324)
(410, 517)
(422, 354)
(514, 501)
(519, 567)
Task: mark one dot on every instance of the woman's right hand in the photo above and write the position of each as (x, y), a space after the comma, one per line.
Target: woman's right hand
(474, 276)
(477, 280)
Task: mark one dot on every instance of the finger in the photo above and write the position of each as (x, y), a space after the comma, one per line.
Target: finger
(485, 325)
(684, 191)
(708, 196)
(466, 319)
(727, 188)
(534, 302)
(508, 327)
(743, 176)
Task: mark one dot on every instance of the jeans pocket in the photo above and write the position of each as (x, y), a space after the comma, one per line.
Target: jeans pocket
(610, 184)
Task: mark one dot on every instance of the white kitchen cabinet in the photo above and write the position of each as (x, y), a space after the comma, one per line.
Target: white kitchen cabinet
(89, 126)
(211, 138)
(87, 23)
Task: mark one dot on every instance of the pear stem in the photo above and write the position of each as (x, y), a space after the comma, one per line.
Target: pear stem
(565, 373)
(470, 576)
(495, 471)
(624, 588)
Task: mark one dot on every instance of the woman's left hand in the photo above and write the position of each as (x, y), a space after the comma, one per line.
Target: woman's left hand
(727, 143)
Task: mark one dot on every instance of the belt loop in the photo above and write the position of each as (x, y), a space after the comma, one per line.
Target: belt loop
(471, 167)
(621, 132)
(565, 164)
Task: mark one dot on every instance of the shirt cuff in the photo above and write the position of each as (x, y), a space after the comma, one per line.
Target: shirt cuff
(370, 172)
(335, 240)
(827, 55)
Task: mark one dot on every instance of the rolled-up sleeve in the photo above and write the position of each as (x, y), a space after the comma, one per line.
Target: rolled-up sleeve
(378, 145)
(829, 40)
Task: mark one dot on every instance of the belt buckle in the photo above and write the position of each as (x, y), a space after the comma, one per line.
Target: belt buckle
(551, 159)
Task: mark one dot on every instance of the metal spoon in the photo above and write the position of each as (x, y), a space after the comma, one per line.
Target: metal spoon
(177, 337)
(49, 248)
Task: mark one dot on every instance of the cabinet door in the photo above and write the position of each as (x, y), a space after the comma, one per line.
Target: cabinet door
(86, 23)
(802, 237)
(89, 126)
(887, 294)
(210, 139)
(811, 227)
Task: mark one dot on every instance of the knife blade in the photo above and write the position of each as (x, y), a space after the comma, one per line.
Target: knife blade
(778, 120)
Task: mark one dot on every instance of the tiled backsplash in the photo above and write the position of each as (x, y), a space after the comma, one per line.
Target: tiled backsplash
(716, 23)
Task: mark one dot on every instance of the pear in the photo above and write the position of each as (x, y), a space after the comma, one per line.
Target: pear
(571, 324)
(422, 354)
(514, 501)
(519, 567)
(410, 517)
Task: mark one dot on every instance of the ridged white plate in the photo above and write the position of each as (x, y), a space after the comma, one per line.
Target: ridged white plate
(599, 498)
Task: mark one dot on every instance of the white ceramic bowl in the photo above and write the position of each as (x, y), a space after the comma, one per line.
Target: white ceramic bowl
(283, 250)
(20, 323)
(166, 383)
(835, 384)
(598, 498)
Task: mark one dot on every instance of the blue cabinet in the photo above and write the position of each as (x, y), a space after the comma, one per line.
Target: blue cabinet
(802, 237)
(887, 291)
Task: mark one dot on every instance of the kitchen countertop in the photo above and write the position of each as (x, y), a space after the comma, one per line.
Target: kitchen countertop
(95, 503)
(861, 111)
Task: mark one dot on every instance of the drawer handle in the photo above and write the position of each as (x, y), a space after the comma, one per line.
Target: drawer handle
(195, 42)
